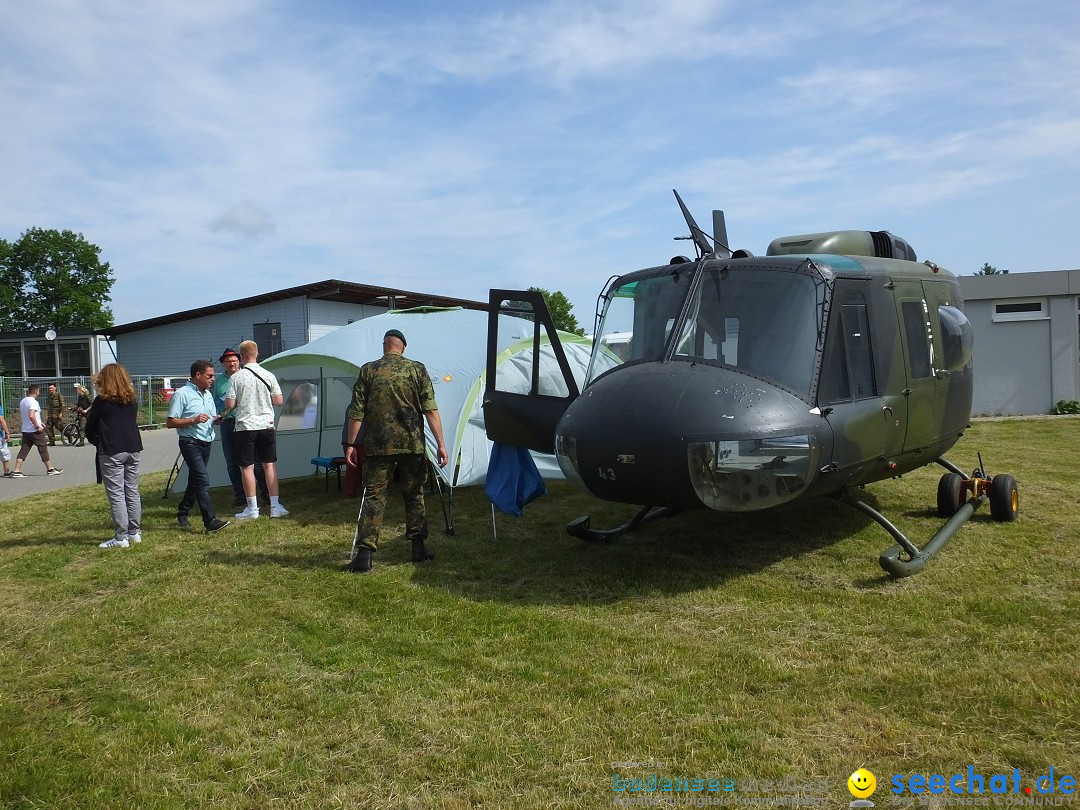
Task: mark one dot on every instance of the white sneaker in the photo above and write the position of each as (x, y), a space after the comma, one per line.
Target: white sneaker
(278, 511)
(247, 514)
(114, 543)
(135, 538)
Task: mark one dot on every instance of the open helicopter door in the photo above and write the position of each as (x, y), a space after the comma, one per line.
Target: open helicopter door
(526, 419)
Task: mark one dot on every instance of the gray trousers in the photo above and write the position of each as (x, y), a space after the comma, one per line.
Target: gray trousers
(120, 475)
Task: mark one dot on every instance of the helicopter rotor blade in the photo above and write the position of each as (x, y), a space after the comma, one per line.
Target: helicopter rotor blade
(701, 239)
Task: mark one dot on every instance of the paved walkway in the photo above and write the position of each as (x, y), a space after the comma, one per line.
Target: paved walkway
(159, 452)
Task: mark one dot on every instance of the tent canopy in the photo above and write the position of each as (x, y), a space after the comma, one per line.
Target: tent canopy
(317, 379)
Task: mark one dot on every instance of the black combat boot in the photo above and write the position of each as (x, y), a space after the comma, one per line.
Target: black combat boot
(419, 552)
(361, 563)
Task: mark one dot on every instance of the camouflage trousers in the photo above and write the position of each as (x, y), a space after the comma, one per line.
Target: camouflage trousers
(378, 470)
(53, 423)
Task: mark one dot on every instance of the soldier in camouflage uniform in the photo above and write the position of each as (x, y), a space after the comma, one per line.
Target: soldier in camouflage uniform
(82, 408)
(391, 398)
(56, 413)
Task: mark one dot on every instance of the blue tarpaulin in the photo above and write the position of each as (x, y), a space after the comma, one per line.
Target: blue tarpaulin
(512, 479)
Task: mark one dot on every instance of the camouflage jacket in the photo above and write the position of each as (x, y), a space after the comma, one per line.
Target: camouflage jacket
(390, 397)
(56, 404)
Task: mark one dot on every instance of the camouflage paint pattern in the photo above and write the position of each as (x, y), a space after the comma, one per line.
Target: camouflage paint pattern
(378, 471)
(390, 397)
(56, 408)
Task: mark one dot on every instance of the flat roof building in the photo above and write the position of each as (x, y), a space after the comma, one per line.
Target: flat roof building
(1027, 340)
(279, 320)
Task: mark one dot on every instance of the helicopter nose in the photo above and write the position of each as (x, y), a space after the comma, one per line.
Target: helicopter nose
(687, 435)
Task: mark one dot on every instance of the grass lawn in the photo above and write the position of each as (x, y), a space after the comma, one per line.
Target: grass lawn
(244, 670)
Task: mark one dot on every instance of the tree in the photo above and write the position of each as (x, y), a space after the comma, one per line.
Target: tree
(11, 284)
(561, 310)
(989, 270)
(53, 279)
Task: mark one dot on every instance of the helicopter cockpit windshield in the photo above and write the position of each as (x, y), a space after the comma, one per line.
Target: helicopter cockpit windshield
(760, 319)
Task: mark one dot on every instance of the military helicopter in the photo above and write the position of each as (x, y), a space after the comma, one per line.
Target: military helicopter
(747, 383)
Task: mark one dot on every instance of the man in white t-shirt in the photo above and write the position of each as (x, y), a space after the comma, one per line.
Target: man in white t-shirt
(33, 434)
(253, 392)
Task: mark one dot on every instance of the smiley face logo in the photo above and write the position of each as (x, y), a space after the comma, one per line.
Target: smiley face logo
(862, 784)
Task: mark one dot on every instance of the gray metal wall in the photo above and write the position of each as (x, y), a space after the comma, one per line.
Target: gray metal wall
(1024, 366)
(176, 345)
(1011, 362)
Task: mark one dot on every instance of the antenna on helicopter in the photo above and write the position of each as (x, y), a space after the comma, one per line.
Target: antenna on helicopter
(701, 239)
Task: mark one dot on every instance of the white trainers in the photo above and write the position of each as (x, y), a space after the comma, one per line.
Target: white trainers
(116, 542)
(278, 511)
(247, 514)
(135, 538)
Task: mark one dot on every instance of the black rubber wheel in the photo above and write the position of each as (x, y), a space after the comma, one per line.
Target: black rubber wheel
(950, 494)
(1004, 498)
(70, 435)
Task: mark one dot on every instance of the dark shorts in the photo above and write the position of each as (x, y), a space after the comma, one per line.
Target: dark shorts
(255, 445)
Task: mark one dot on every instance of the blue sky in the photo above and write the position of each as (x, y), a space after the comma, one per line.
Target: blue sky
(220, 149)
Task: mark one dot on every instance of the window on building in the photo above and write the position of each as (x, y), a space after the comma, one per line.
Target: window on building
(74, 360)
(40, 360)
(11, 359)
(1027, 309)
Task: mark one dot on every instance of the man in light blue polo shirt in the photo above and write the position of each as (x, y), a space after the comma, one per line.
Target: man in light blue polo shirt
(193, 414)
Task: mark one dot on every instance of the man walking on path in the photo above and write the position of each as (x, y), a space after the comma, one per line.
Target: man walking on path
(389, 396)
(253, 392)
(33, 433)
(192, 414)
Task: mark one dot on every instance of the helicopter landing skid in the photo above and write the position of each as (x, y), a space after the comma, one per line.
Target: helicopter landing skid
(905, 558)
(579, 527)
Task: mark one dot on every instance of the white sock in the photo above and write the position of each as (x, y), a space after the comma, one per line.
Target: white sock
(253, 503)
(274, 501)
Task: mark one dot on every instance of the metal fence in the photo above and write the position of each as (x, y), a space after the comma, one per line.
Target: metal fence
(152, 393)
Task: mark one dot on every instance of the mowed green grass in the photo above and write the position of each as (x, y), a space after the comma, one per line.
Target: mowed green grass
(244, 670)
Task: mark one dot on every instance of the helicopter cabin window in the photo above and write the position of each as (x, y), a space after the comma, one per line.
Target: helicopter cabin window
(848, 366)
(759, 321)
(639, 312)
(917, 337)
(957, 338)
(860, 358)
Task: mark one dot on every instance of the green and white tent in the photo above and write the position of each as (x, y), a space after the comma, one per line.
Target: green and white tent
(317, 379)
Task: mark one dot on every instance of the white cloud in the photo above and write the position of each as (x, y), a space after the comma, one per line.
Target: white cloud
(244, 219)
(456, 147)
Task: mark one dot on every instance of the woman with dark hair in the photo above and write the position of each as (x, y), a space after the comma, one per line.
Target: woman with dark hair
(112, 425)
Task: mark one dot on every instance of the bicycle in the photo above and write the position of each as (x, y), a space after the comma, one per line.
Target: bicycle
(70, 432)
